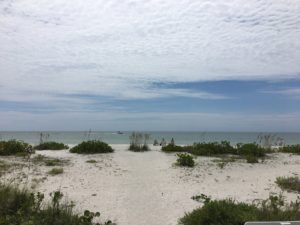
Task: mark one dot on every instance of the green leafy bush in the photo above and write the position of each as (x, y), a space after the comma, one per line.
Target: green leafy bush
(20, 207)
(185, 159)
(212, 148)
(14, 147)
(229, 212)
(295, 149)
(289, 183)
(250, 149)
(51, 146)
(91, 147)
(173, 148)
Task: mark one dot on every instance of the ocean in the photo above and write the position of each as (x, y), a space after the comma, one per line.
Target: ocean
(181, 138)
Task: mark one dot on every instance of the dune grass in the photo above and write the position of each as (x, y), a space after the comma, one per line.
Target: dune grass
(91, 147)
(21, 207)
(289, 183)
(51, 146)
(251, 152)
(295, 149)
(228, 211)
(49, 161)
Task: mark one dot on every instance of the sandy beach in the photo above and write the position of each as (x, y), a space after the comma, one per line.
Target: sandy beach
(146, 188)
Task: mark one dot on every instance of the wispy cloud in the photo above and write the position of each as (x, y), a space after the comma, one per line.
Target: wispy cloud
(53, 52)
(288, 92)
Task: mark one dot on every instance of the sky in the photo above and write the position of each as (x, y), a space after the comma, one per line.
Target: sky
(186, 65)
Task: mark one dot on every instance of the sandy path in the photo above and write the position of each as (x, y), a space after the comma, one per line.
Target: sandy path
(147, 189)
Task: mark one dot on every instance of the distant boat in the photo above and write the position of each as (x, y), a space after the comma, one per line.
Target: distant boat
(119, 132)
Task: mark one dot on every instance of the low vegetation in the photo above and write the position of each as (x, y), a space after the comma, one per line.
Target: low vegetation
(56, 171)
(185, 159)
(91, 147)
(228, 211)
(51, 146)
(289, 183)
(49, 161)
(91, 161)
(249, 151)
(4, 167)
(21, 207)
(138, 142)
(14, 147)
(223, 161)
(295, 149)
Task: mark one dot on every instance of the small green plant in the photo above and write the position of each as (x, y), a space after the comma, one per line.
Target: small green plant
(14, 147)
(155, 143)
(51, 146)
(201, 198)
(185, 159)
(91, 147)
(295, 149)
(289, 183)
(56, 171)
(251, 159)
(91, 161)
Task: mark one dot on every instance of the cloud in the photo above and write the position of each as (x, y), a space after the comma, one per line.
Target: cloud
(288, 92)
(119, 49)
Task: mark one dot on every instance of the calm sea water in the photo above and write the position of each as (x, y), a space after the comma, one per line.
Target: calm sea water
(115, 138)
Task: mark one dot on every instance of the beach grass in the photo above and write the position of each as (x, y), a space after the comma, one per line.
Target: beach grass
(19, 206)
(228, 211)
(291, 184)
(295, 149)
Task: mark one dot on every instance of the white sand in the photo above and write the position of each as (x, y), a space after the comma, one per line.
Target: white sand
(147, 189)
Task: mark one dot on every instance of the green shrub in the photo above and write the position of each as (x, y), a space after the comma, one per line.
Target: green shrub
(250, 149)
(20, 207)
(289, 183)
(51, 146)
(91, 147)
(14, 147)
(295, 149)
(56, 171)
(229, 212)
(173, 148)
(212, 148)
(251, 159)
(185, 159)
(219, 212)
